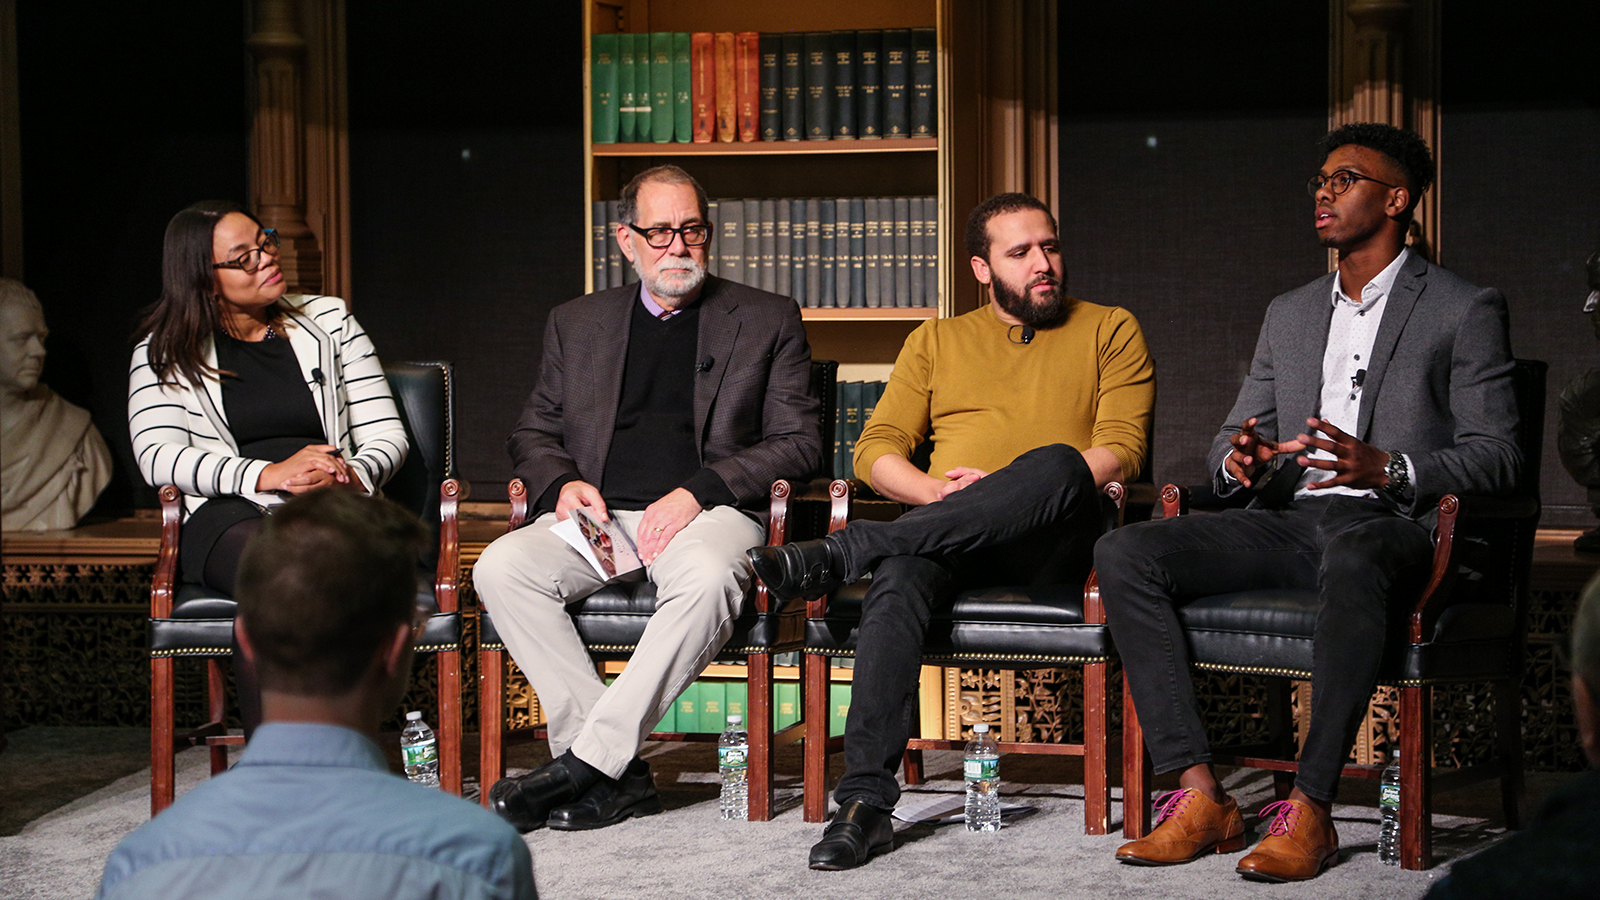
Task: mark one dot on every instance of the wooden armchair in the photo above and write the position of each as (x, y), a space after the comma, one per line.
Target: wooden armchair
(1468, 626)
(612, 620)
(1023, 627)
(188, 620)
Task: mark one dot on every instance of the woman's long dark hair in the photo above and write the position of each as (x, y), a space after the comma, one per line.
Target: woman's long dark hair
(185, 318)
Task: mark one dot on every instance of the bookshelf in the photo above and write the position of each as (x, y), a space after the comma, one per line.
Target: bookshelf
(865, 341)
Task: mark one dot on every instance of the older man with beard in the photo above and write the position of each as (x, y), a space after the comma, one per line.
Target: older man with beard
(1032, 403)
(670, 408)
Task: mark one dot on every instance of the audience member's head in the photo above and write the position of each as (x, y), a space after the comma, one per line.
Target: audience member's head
(978, 222)
(628, 205)
(1586, 670)
(326, 590)
(1409, 151)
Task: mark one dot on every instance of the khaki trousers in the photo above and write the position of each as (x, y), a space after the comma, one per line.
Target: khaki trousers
(527, 578)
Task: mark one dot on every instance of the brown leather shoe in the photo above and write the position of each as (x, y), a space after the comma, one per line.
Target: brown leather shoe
(1300, 843)
(1187, 825)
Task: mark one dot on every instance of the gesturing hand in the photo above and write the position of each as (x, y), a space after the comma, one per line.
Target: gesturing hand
(1251, 452)
(662, 520)
(1355, 463)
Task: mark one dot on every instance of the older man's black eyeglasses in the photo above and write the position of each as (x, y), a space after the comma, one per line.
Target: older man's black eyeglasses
(660, 238)
(251, 261)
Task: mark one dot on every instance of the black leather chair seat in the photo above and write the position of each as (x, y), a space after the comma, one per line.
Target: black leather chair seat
(201, 623)
(1269, 632)
(613, 619)
(1016, 627)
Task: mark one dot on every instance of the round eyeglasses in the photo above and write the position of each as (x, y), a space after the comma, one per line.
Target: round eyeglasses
(1340, 181)
(251, 261)
(661, 237)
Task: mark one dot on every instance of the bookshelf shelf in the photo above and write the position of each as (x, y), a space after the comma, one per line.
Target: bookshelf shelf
(769, 148)
(881, 314)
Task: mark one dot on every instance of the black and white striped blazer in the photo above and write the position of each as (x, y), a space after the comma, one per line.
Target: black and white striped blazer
(181, 435)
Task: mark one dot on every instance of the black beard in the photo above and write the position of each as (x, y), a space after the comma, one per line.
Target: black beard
(1025, 309)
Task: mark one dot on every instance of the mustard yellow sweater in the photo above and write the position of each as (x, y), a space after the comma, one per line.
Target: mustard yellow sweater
(983, 400)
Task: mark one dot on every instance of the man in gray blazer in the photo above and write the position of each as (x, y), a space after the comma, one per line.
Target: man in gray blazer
(1373, 392)
(668, 408)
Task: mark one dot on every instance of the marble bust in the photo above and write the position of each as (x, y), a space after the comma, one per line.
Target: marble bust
(53, 463)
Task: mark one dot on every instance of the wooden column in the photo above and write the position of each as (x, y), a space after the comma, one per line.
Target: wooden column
(1384, 67)
(277, 141)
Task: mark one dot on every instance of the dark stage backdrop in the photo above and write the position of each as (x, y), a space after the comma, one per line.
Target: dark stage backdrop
(466, 174)
(1521, 201)
(128, 114)
(1186, 141)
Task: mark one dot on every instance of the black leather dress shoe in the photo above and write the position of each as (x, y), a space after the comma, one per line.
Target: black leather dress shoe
(608, 803)
(526, 801)
(858, 831)
(804, 569)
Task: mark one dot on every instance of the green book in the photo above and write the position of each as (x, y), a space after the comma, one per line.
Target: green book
(737, 699)
(838, 707)
(662, 119)
(713, 707)
(627, 93)
(603, 87)
(682, 105)
(786, 704)
(689, 709)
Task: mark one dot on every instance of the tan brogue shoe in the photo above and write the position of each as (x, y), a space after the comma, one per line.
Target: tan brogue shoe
(1300, 843)
(1187, 825)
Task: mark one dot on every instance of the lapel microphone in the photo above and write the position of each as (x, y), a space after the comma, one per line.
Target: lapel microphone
(1027, 334)
(705, 363)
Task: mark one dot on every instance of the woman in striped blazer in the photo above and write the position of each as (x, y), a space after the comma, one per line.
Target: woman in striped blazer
(241, 396)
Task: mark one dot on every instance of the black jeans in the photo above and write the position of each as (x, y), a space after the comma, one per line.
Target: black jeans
(1032, 522)
(1353, 551)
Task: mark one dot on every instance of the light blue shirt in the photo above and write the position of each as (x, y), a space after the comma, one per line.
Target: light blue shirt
(313, 811)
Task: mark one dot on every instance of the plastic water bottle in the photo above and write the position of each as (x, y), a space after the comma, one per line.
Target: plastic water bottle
(733, 760)
(981, 766)
(1389, 808)
(420, 749)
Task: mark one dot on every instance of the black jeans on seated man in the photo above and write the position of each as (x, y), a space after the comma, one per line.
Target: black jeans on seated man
(1353, 550)
(1033, 522)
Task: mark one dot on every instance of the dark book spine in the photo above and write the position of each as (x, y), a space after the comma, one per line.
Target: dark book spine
(896, 83)
(886, 251)
(813, 252)
(850, 399)
(597, 244)
(902, 251)
(924, 78)
(918, 248)
(828, 249)
(858, 250)
(819, 88)
(603, 88)
(793, 86)
(782, 261)
(797, 251)
(870, 254)
(714, 249)
(769, 245)
(843, 77)
(841, 252)
(869, 85)
(617, 268)
(752, 243)
(732, 263)
(703, 87)
(930, 259)
(771, 46)
(628, 104)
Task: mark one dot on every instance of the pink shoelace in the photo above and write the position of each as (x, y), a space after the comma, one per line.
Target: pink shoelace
(1170, 804)
(1285, 814)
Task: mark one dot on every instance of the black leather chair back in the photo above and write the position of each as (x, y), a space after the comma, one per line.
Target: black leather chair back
(424, 393)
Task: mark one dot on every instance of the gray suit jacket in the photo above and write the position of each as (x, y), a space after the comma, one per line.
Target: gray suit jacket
(754, 417)
(1438, 385)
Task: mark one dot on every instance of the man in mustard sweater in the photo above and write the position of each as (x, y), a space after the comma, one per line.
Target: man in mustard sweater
(1032, 403)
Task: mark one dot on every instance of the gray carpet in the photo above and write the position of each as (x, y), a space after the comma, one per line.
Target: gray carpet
(688, 852)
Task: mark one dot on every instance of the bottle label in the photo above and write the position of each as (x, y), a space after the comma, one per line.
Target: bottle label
(421, 754)
(1389, 795)
(732, 757)
(981, 769)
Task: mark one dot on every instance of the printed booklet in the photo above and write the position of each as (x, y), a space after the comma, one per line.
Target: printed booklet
(604, 544)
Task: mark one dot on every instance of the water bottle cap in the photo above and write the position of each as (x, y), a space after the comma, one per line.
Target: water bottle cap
(734, 720)
(414, 715)
(981, 727)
